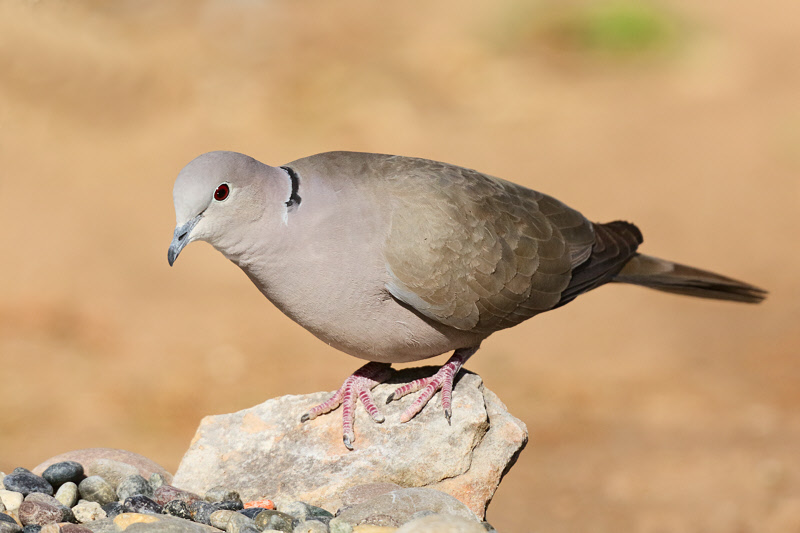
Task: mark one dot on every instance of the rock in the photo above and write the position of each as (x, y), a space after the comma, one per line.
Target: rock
(9, 527)
(2, 506)
(66, 512)
(112, 471)
(97, 489)
(222, 494)
(231, 520)
(301, 511)
(167, 493)
(156, 480)
(310, 526)
(361, 493)
(74, 528)
(260, 504)
(67, 494)
(25, 482)
(147, 523)
(275, 520)
(438, 523)
(86, 511)
(50, 528)
(11, 500)
(39, 513)
(113, 509)
(145, 467)
(265, 450)
(374, 529)
(177, 508)
(133, 485)
(7, 519)
(32, 528)
(143, 505)
(59, 473)
(399, 506)
(337, 525)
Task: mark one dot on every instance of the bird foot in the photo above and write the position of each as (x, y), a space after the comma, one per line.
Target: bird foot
(357, 386)
(443, 379)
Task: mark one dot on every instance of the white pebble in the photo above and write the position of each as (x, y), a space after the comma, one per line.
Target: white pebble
(87, 511)
(12, 500)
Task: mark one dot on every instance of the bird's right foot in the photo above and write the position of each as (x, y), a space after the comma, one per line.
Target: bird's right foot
(357, 386)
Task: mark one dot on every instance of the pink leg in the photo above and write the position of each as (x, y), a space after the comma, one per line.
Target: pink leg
(443, 379)
(358, 386)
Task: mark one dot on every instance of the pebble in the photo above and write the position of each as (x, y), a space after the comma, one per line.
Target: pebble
(252, 512)
(442, 523)
(66, 512)
(177, 508)
(222, 494)
(275, 520)
(133, 485)
(142, 504)
(166, 493)
(31, 528)
(310, 526)
(86, 511)
(25, 482)
(302, 510)
(114, 509)
(97, 489)
(230, 520)
(67, 494)
(12, 500)
(2, 506)
(8, 527)
(337, 525)
(261, 504)
(32, 512)
(50, 528)
(112, 471)
(59, 473)
(156, 480)
(201, 510)
(74, 528)
(366, 528)
(5, 518)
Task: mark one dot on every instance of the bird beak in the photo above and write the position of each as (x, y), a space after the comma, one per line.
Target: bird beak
(181, 239)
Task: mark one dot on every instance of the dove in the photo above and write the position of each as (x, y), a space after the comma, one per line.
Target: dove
(397, 259)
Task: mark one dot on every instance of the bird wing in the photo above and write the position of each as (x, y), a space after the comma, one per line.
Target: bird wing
(476, 252)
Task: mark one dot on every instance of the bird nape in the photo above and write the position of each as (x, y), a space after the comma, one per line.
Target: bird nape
(396, 259)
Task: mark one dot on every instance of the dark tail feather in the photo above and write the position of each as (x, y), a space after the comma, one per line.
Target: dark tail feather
(681, 279)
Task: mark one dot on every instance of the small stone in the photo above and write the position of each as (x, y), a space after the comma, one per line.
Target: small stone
(59, 473)
(231, 521)
(86, 511)
(67, 494)
(23, 481)
(66, 512)
(442, 523)
(201, 511)
(166, 493)
(337, 525)
(133, 485)
(177, 508)
(112, 471)
(261, 504)
(302, 510)
(235, 527)
(275, 520)
(219, 519)
(12, 500)
(310, 526)
(97, 489)
(156, 480)
(74, 528)
(6, 518)
(252, 512)
(32, 528)
(50, 528)
(143, 505)
(113, 509)
(31, 512)
(8, 527)
(2, 506)
(222, 494)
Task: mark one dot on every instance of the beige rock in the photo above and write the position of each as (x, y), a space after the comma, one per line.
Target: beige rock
(441, 524)
(12, 500)
(265, 450)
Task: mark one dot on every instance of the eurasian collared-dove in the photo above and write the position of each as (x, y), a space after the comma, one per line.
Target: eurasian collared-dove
(397, 259)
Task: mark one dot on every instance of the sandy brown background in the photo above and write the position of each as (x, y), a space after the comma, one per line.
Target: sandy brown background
(647, 412)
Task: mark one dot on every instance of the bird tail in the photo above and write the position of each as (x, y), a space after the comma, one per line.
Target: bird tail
(681, 279)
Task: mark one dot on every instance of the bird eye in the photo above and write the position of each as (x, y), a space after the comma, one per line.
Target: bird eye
(222, 192)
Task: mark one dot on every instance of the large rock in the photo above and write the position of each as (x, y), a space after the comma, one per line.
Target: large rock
(265, 451)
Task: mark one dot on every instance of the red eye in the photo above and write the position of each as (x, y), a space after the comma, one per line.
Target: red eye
(222, 192)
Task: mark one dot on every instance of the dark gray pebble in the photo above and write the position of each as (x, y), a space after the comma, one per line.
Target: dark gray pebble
(133, 485)
(59, 473)
(268, 519)
(142, 504)
(252, 512)
(22, 480)
(113, 509)
(31, 528)
(5, 518)
(8, 527)
(178, 508)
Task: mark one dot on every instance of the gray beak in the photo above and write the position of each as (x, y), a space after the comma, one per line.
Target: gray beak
(181, 239)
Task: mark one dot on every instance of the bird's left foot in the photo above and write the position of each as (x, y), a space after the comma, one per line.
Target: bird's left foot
(357, 386)
(443, 379)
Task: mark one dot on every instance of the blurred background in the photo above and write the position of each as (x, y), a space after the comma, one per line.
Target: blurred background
(647, 412)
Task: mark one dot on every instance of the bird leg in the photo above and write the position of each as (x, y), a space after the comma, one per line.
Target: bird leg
(443, 379)
(358, 386)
